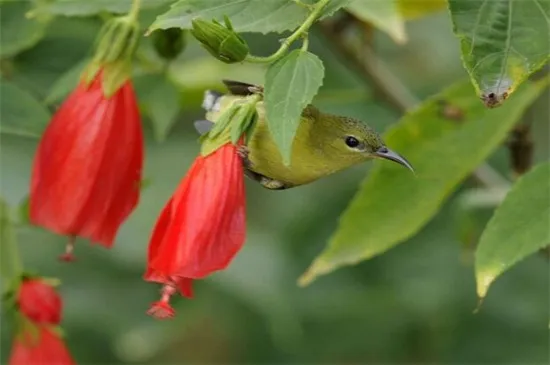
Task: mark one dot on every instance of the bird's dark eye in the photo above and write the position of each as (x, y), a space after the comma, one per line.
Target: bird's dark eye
(352, 141)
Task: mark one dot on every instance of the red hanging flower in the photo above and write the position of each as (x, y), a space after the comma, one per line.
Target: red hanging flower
(39, 302)
(44, 347)
(87, 170)
(201, 228)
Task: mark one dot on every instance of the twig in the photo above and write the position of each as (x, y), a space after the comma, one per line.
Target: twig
(388, 86)
(298, 33)
(370, 68)
(520, 147)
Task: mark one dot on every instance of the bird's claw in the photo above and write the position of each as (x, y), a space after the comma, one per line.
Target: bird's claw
(243, 153)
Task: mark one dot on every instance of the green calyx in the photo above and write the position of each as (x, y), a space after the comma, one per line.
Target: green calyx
(115, 47)
(113, 75)
(220, 41)
(237, 122)
(117, 40)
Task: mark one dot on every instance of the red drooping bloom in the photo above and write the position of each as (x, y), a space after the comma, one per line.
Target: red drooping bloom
(201, 228)
(87, 169)
(39, 302)
(44, 347)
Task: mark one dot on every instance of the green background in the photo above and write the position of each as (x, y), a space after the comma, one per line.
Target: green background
(413, 304)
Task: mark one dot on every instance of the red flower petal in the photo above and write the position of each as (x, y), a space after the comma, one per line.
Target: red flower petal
(39, 302)
(184, 284)
(159, 231)
(45, 349)
(87, 169)
(207, 218)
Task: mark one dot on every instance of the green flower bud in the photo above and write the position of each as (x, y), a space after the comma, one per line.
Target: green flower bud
(169, 43)
(222, 42)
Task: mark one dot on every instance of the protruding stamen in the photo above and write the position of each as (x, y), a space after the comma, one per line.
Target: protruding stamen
(162, 308)
(68, 256)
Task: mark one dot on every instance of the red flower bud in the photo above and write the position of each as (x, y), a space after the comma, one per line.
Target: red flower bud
(87, 169)
(42, 348)
(39, 302)
(202, 227)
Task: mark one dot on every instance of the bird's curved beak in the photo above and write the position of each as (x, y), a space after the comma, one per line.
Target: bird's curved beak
(386, 153)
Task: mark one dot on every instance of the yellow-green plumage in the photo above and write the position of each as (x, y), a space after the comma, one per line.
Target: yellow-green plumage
(319, 148)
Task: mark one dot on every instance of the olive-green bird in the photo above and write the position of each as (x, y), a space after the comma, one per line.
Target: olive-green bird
(324, 143)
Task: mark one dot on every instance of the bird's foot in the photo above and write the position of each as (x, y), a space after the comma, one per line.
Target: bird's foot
(243, 153)
(272, 184)
(265, 181)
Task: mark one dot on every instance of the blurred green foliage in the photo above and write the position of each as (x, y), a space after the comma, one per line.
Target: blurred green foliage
(434, 144)
(413, 304)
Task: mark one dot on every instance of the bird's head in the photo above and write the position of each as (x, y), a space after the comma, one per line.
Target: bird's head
(353, 141)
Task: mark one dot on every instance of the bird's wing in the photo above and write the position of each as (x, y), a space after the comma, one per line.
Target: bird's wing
(242, 88)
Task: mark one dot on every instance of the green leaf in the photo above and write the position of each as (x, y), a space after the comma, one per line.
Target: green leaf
(160, 98)
(393, 204)
(18, 33)
(290, 85)
(383, 14)
(502, 43)
(412, 9)
(246, 15)
(66, 83)
(518, 228)
(9, 266)
(67, 42)
(87, 7)
(20, 112)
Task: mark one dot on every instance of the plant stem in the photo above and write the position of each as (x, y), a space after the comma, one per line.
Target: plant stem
(390, 88)
(304, 5)
(305, 43)
(134, 10)
(317, 8)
